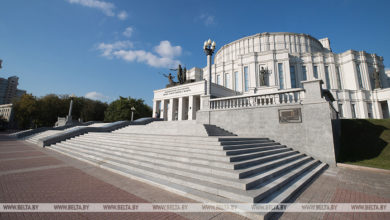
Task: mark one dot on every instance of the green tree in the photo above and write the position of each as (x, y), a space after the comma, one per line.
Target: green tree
(44, 111)
(120, 109)
(50, 107)
(26, 111)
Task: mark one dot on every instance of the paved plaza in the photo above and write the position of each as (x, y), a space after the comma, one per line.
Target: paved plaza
(31, 174)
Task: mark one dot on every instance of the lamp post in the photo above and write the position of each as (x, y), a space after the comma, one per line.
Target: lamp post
(209, 48)
(70, 108)
(132, 113)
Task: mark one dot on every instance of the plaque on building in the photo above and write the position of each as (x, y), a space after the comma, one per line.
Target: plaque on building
(292, 115)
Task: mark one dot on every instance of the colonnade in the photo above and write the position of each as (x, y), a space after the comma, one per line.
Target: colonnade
(177, 109)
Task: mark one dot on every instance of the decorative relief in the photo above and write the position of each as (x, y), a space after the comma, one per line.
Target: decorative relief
(292, 115)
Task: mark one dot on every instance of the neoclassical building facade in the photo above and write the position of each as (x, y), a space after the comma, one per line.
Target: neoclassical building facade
(268, 62)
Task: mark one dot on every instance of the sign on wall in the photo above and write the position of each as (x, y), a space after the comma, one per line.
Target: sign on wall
(292, 115)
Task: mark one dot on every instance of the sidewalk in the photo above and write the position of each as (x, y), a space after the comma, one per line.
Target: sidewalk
(29, 173)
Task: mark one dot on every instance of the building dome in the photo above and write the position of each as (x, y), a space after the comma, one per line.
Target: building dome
(264, 42)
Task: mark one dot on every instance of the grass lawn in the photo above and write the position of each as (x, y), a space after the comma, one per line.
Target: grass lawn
(365, 142)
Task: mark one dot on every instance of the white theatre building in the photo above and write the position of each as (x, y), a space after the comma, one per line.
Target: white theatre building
(270, 63)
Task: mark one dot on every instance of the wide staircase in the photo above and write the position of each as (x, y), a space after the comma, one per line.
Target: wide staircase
(206, 168)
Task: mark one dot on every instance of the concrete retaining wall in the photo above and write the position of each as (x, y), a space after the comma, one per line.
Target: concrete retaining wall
(313, 136)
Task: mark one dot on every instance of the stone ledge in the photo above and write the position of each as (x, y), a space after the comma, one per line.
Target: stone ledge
(356, 167)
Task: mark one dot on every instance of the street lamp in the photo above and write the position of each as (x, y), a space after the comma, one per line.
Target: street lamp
(132, 113)
(70, 107)
(209, 48)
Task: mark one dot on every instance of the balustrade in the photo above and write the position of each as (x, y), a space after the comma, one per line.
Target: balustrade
(278, 98)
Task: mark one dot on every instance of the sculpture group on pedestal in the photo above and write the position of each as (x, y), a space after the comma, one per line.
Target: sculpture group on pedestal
(181, 77)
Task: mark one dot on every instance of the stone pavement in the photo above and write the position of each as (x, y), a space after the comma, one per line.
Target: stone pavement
(342, 185)
(29, 173)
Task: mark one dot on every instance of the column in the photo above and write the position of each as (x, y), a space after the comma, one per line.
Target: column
(154, 108)
(180, 109)
(191, 107)
(164, 113)
(377, 110)
(388, 107)
(170, 110)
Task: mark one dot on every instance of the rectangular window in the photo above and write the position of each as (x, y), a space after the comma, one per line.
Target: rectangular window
(359, 75)
(246, 80)
(281, 78)
(341, 114)
(353, 109)
(236, 81)
(315, 72)
(327, 78)
(339, 86)
(292, 77)
(219, 79)
(369, 108)
(304, 74)
(227, 80)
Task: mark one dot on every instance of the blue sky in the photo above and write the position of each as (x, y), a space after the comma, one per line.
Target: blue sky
(110, 48)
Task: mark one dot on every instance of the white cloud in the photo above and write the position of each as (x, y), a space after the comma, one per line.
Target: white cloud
(207, 19)
(107, 49)
(122, 15)
(165, 49)
(165, 56)
(107, 8)
(96, 96)
(128, 31)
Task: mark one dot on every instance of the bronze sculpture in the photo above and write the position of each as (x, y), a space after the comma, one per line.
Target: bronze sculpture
(181, 77)
(263, 72)
(184, 75)
(179, 74)
(377, 79)
(170, 78)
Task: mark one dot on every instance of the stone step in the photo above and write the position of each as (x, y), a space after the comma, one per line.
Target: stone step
(183, 143)
(203, 155)
(261, 160)
(125, 160)
(218, 189)
(156, 152)
(205, 144)
(247, 146)
(152, 136)
(230, 173)
(163, 158)
(213, 130)
(258, 178)
(217, 150)
(163, 184)
(179, 130)
(256, 169)
(248, 156)
(285, 193)
(215, 178)
(175, 137)
(265, 189)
